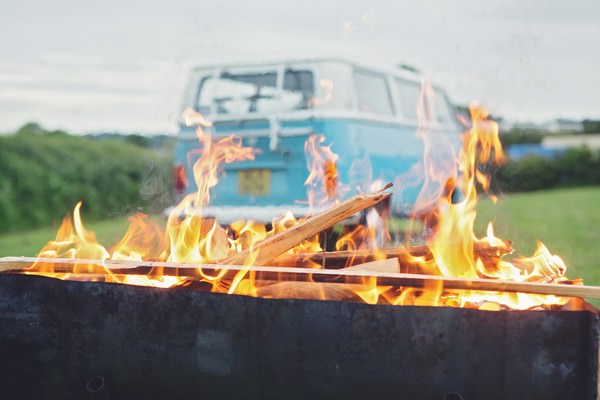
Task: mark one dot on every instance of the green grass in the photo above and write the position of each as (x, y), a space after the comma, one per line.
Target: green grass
(567, 221)
(29, 243)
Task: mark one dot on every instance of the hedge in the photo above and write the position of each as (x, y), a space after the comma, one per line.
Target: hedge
(574, 167)
(43, 175)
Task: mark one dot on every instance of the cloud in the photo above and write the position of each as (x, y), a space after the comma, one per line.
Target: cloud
(70, 59)
(524, 60)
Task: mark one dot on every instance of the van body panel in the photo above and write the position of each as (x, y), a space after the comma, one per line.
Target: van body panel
(369, 151)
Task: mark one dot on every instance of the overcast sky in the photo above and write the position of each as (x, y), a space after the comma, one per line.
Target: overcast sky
(121, 65)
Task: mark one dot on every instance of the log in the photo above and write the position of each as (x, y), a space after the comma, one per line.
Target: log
(386, 265)
(490, 255)
(325, 290)
(280, 243)
(310, 291)
(18, 264)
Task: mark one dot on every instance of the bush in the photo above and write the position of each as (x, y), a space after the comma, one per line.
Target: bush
(521, 136)
(591, 126)
(574, 167)
(43, 174)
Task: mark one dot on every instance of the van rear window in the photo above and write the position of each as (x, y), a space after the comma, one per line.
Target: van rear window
(299, 87)
(244, 93)
(236, 93)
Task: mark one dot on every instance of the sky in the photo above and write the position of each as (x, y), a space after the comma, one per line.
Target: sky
(122, 65)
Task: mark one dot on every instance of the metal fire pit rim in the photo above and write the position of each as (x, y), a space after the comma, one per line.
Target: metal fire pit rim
(183, 289)
(48, 315)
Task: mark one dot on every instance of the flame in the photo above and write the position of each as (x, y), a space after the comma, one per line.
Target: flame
(322, 182)
(324, 188)
(446, 205)
(286, 221)
(187, 237)
(73, 241)
(142, 241)
(193, 238)
(452, 237)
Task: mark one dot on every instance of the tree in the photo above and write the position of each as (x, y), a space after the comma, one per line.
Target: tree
(31, 128)
(591, 126)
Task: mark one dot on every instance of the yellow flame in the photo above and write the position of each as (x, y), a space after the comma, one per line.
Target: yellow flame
(190, 236)
(453, 239)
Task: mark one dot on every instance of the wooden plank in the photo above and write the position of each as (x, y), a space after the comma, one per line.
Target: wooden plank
(278, 244)
(385, 265)
(488, 254)
(317, 275)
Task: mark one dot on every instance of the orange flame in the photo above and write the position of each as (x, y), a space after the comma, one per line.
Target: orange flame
(322, 182)
(142, 241)
(190, 236)
(73, 241)
(453, 237)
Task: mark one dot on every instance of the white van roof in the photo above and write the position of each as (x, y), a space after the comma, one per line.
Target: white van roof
(391, 70)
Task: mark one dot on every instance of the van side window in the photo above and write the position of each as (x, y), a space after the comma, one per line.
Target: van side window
(238, 93)
(443, 110)
(438, 107)
(298, 89)
(408, 96)
(372, 92)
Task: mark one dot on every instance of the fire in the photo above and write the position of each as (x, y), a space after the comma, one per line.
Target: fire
(322, 182)
(74, 241)
(446, 206)
(195, 238)
(288, 220)
(453, 239)
(142, 241)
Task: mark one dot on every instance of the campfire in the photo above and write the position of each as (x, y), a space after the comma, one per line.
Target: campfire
(453, 268)
(191, 309)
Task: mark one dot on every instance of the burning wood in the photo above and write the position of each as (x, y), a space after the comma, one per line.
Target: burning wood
(454, 268)
(387, 265)
(354, 275)
(410, 258)
(280, 243)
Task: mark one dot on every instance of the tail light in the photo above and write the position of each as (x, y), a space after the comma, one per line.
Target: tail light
(180, 178)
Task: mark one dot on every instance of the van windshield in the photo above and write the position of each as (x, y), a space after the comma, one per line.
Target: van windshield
(243, 93)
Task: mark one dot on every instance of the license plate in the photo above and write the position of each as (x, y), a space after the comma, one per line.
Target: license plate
(254, 182)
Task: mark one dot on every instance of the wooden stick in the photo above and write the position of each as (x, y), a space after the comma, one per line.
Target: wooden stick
(317, 275)
(488, 254)
(278, 244)
(401, 253)
(386, 265)
(415, 251)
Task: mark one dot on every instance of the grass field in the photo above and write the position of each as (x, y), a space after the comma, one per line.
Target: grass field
(29, 243)
(567, 221)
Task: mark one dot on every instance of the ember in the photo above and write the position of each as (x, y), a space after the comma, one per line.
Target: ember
(453, 253)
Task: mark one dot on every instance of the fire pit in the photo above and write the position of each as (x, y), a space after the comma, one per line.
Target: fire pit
(200, 310)
(185, 344)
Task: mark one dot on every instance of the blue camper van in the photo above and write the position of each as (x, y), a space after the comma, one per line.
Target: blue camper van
(368, 114)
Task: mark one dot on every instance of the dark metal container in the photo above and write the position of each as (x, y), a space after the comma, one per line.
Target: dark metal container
(77, 340)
